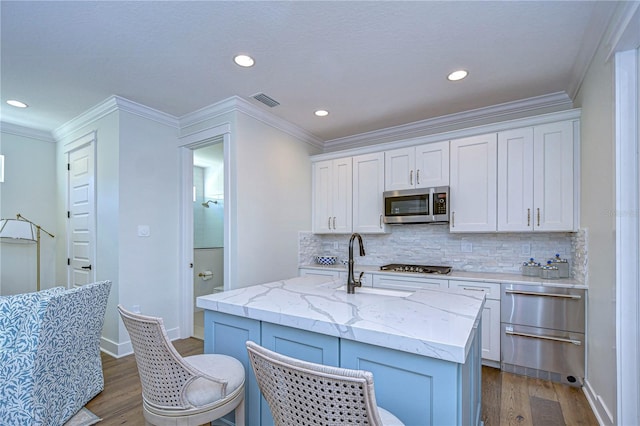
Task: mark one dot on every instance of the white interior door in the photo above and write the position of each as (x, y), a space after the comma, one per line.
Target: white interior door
(81, 215)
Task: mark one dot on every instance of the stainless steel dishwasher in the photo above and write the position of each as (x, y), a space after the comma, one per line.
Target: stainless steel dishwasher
(543, 332)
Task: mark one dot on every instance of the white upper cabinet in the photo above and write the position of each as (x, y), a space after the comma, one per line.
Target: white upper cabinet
(368, 186)
(535, 178)
(417, 167)
(332, 191)
(553, 186)
(473, 184)
(515, 180)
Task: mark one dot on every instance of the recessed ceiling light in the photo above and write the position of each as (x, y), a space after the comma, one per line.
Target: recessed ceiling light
(17, 104)
(244, 60)
(321, 113)
(457, 75)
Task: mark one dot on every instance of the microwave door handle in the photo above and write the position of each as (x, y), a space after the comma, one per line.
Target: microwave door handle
(432, 197)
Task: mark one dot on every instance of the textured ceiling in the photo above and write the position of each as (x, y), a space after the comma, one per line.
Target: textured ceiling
(371, 64)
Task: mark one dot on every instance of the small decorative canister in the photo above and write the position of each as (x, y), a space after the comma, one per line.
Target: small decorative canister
(549, 272)
(531, 268)
(562, 265)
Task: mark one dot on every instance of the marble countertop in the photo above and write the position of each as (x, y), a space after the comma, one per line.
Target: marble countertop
(501, 278)
(439, 324)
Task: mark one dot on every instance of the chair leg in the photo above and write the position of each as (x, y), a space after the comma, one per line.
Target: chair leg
(239, 414)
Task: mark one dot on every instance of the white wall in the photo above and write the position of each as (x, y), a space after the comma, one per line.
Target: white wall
(149, 195)
(136, 184)
(273, 197)
(107, 218)
(29, 189)
(596, 98)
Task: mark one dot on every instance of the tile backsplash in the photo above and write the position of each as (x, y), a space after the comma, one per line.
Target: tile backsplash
(435, 245)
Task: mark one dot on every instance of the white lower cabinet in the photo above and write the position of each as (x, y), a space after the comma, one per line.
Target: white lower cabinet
(318, 272)
(407, 283)
(490, 317)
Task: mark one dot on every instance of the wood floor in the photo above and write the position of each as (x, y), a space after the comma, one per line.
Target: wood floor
(507, 399)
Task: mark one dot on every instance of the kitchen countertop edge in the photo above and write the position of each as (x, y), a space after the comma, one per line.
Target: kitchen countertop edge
(495, 277)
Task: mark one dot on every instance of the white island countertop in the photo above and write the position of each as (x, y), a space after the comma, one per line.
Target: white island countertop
(435, 323)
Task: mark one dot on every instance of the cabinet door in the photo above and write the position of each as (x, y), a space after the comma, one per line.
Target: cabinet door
(368, 186)
(332, 203)
(342, 200)
(553, 177)
(322, 196)
(300, 344)
(473, 184)
(227, 335)
(407, 283)
(491, 331)
(399, 170)
(432, 165)
(515, 180)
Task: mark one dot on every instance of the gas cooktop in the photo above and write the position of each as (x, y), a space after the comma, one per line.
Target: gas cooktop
(418, 269)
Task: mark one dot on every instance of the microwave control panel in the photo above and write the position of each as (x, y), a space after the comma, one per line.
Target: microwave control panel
(440, 203)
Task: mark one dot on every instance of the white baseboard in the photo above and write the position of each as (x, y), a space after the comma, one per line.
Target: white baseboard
(599, 408)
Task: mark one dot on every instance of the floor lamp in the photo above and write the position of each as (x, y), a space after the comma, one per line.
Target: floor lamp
(22, 230)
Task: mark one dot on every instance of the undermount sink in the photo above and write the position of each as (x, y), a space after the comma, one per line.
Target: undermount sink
(378, 291)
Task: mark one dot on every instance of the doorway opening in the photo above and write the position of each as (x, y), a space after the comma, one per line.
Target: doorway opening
(208, 226)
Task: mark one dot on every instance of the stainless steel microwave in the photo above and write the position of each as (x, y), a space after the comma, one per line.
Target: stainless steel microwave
(422, 205)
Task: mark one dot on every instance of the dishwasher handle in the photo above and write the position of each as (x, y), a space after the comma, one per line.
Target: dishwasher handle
(535, 336)
(535, 293)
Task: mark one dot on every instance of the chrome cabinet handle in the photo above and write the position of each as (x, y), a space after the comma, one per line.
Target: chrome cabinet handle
(555, 339)
(453, 219)
(528, 217)
(535, 293)
(380, 221)
(329, 222)
(334, 222)
(418, 177)
(411, 177)
(473, 289)
(538, 216)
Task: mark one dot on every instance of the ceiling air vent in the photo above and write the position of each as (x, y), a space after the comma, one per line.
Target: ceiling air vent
(270, 102)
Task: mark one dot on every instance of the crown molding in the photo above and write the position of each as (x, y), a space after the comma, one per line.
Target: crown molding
(624, 29)
(27, 132)
(494, 127)
(501, 112)
(601, 19)
(106, 107)
(238, 104)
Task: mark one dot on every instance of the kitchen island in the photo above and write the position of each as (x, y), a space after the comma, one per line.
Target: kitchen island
(422, 346)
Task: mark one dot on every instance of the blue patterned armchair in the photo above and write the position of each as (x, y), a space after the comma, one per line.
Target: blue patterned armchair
(50, 364)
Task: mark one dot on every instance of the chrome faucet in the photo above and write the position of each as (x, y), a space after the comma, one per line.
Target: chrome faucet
(352, 283)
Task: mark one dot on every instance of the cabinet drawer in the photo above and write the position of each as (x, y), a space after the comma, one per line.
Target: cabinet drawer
(407, 283)
(318, 272)
(492, 290)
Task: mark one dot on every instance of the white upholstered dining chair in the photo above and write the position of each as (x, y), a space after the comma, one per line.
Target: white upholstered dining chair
(178, 390)
(305, 393)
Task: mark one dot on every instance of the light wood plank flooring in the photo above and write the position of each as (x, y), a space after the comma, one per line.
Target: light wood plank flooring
(507, 399)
